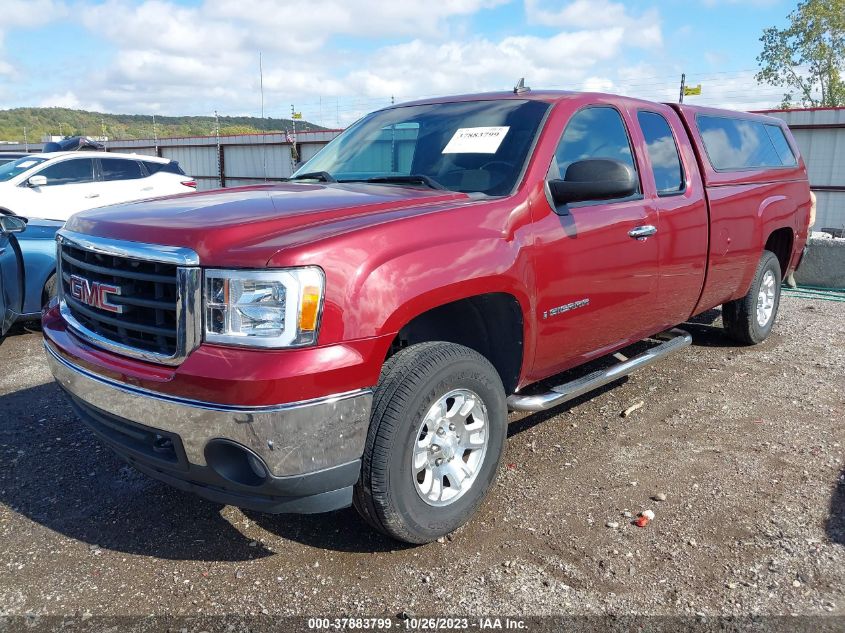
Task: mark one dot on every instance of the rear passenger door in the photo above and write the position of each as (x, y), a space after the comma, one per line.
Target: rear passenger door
(123, 180)
(673, 187)
(596, 282)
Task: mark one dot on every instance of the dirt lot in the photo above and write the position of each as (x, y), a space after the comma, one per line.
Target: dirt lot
(745, 443)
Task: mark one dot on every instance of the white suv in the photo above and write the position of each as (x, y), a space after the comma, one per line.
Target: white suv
(56, 185)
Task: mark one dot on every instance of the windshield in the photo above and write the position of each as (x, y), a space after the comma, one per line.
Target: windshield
(473, 146)
(10, 170)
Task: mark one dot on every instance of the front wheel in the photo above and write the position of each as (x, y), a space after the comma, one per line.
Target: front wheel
(749, 320)
(436, 437)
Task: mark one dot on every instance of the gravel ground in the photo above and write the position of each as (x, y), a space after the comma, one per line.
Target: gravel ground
(746, 444)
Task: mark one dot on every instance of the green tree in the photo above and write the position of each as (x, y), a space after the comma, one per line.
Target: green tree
(808, 56)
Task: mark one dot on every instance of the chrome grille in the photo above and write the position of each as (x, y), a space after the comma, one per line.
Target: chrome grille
(156, 318)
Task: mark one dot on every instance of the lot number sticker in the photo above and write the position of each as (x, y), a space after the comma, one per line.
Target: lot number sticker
(476, 140)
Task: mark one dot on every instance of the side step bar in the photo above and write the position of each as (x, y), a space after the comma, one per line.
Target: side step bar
(674, 340)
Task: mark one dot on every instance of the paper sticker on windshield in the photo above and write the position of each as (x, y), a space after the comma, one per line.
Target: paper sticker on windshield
(476, 140)
(27, 163)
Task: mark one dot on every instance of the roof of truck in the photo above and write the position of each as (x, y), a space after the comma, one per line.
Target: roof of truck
(552, 96)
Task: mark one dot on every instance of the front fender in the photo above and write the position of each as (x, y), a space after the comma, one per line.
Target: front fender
(401, 286)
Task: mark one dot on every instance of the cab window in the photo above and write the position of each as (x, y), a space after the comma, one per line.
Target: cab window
(594, 132)
(68, 172)
(662, 152)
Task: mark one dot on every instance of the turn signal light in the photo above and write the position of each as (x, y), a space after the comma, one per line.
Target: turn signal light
(310, 308)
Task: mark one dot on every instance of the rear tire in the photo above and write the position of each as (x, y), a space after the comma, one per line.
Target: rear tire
(749, 320)
(436, 438)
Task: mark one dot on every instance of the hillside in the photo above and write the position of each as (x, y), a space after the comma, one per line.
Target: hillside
(67, 122)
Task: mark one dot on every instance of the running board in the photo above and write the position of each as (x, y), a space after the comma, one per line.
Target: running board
(674, 340)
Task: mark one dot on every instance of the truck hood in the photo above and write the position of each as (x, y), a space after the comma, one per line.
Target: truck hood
(245, 226)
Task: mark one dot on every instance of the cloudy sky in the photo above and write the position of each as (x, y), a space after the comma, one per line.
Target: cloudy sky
(336, 59)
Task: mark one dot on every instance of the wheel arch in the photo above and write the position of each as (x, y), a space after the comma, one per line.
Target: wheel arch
(491, 323)
(779, 241)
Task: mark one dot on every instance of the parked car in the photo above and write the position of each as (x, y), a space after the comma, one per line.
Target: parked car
(358, 334)
(8, 157)
(11, 272)
(56, 185)
(38, 248)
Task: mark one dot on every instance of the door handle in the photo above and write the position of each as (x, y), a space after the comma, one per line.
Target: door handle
(642, 232)
(92, 195)
(147, 189)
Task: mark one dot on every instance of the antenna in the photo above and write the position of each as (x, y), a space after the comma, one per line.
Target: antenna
(520, 87)
(263, 124)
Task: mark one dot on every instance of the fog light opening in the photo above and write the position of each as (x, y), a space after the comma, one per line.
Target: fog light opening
(235, 463)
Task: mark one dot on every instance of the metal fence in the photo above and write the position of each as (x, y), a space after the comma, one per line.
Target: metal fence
(244, 159)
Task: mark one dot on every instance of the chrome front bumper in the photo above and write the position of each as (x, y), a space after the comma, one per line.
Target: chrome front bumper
(292, 439)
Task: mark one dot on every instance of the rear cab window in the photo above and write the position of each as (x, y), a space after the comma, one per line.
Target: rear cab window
(663, 153)
(738, 144)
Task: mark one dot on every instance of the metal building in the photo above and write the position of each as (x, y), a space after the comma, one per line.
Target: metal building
(820, 133)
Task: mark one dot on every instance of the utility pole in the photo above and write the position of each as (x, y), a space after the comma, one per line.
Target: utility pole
(103, 131)
(683, 85)
(294, 154)
(219, 150)
(155, 134)
(25, 140)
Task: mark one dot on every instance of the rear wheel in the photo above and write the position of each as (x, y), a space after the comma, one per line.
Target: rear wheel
(749, 320)
(436, 437)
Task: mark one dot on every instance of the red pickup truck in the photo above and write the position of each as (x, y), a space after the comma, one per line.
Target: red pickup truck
(357, 334)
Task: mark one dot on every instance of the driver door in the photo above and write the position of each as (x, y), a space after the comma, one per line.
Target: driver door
(596, 282)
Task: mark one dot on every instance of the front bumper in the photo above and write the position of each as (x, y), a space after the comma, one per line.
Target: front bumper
(310, 450)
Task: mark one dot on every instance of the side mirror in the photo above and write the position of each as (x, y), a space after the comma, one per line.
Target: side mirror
(36, 181)
(12, 224)
(594, 179)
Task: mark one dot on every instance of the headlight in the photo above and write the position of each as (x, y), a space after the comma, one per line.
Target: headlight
(263, 308)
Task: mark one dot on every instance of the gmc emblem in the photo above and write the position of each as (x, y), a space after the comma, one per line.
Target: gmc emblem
(94, 293)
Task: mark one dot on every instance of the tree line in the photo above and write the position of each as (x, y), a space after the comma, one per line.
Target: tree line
(40, 122)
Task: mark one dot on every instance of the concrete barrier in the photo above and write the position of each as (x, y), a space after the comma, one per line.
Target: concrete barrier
(823, 264)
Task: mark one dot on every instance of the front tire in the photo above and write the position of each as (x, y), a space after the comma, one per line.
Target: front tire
(749, 320)
(436, 438)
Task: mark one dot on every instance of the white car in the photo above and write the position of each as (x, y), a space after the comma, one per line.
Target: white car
(56, 185)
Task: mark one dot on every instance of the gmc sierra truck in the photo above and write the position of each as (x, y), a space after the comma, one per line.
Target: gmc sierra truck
(358, 333)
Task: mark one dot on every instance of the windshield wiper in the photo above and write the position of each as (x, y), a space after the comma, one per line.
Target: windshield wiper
(322, 176)
(421, 179)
